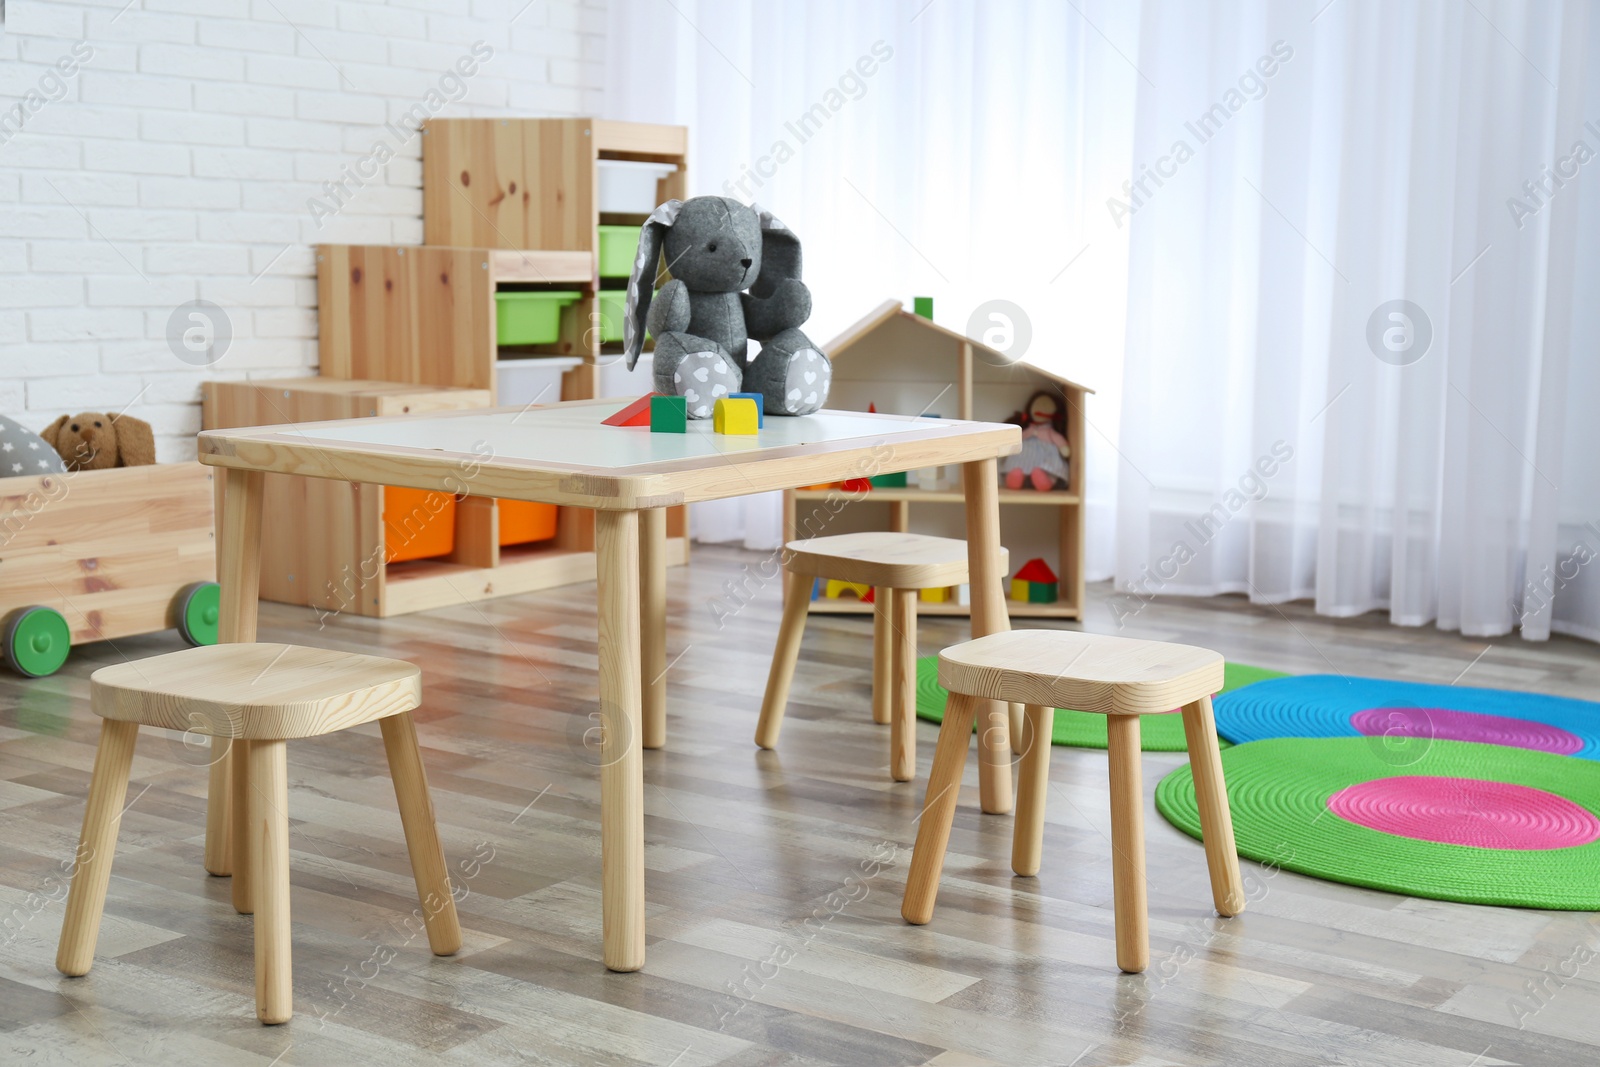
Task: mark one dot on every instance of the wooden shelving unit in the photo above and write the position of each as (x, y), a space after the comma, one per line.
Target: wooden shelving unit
(900, 363)
(507, 203)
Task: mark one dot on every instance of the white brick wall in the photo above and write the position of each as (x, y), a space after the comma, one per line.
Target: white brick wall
(176, 160)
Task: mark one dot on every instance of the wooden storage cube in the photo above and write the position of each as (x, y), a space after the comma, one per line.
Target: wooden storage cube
(325, 543)
(533, 183)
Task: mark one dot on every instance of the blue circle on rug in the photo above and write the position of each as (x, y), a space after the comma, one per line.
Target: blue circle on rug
(1403, 718)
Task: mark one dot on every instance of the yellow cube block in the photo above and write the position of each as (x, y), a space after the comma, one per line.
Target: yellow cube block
(936, 595)
(1019, 589)
(735, 416)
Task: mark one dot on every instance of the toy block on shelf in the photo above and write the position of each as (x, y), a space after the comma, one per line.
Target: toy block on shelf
(936, 595)
(635, 414)
(761, 403)
(669, 414)
(856, 485)
(1035, 583)
(923, 306)
(836, 588)
(889, 481)
(738, 416)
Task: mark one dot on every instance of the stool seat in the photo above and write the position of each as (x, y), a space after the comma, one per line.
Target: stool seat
(256, 691)
(1084, 672)
(884, 559)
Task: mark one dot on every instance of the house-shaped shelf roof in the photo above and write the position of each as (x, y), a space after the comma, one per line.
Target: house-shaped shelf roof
(897, 330)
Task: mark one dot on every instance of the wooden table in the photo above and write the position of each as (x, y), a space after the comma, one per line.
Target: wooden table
(562, 454)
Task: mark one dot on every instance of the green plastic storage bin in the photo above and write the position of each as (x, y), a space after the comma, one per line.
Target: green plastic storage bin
(618, 246)
(530, 318)
(613, 313)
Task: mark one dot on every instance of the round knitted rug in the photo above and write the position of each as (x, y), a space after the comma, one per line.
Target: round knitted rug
(1477, 823)
(1407, 716)
(1081, 729)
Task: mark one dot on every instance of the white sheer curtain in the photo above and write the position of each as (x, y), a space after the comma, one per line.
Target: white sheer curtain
(1336, 158)
(966, 165)
(1384, 162)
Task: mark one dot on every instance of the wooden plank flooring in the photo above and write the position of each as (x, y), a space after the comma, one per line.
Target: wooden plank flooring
(774, 877)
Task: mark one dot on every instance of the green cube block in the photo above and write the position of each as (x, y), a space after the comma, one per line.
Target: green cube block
(923, 305)
(1042, 593)
(669, 414)
(889, 481)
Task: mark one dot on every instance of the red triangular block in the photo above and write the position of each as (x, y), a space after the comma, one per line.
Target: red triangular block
(635, 414)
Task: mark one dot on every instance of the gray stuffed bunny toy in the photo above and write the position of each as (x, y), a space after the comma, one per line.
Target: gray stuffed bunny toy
(703, 320)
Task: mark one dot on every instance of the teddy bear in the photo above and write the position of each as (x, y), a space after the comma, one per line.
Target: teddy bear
(94, 440)
(735, 278)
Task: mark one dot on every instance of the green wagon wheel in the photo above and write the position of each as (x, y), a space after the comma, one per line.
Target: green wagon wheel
(199, 605)
(37, 640)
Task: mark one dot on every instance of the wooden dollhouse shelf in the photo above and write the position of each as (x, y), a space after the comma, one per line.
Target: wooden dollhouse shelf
(898, 362)
(942, 496)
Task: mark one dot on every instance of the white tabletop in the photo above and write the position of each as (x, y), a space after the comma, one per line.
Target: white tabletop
(537, 447)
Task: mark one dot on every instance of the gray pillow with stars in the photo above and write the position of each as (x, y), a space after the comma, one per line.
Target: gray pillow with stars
(24, 452)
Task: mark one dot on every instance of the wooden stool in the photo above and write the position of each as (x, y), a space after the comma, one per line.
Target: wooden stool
(260, 696)
(1115, 677)
(897, 566)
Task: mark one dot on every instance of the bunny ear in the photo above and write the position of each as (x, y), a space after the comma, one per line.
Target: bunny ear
(780, 255)
(641, 286)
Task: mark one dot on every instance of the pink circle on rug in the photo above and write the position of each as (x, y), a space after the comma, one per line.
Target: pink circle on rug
(1446, 724)
(1466, 811)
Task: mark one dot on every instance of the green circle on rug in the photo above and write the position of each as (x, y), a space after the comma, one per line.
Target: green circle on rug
(1279, 791)
(1081, 729)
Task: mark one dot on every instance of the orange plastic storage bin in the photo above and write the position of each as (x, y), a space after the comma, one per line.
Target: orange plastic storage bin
(417, 523)
(522, 521)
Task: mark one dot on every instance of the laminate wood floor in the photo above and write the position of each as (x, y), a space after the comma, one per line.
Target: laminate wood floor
(774, 878)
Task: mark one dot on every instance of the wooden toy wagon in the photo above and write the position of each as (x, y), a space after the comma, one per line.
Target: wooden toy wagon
(102, 554)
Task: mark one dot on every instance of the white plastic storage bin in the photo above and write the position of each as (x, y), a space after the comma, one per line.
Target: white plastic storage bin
(535, 380)
(629, 187)
(616, 380)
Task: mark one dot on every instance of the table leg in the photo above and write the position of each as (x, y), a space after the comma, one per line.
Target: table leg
(980, 484)
(653, 622)
(239, 574)
(622, 759)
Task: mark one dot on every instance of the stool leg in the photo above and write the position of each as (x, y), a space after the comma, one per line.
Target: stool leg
(903, 709)
(1127, 842)
(790, 631)
(102, 817)
(1033, 782)
(239, 808)
(268, 844)
(1211, 794)
(882, 655)
(939, 809)
(422, 833)
(219, 810)
(994, 756)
